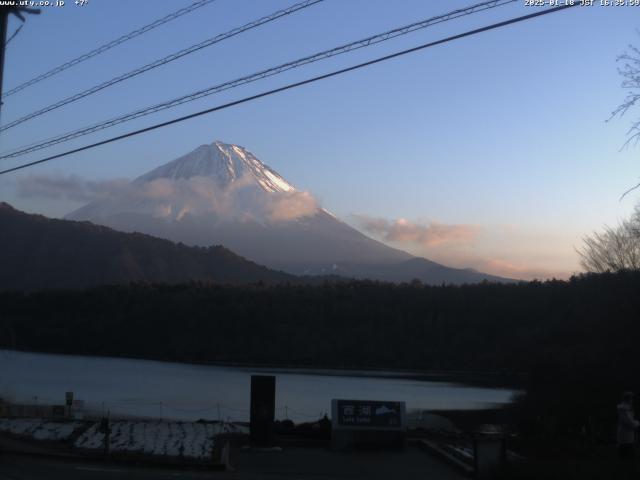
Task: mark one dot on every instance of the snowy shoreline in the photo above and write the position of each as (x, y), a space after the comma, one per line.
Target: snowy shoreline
(182, 441)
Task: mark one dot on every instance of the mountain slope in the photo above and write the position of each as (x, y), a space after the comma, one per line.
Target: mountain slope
(38, 252)
(418, 268)
(222, 194)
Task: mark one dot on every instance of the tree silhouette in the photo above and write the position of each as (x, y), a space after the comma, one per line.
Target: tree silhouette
(630, 73)
(615, 249)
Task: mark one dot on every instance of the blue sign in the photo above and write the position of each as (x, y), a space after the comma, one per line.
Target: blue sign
(368, 414)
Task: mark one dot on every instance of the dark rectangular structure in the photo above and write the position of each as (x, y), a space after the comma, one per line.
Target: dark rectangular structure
(263, 409)
(489, 454)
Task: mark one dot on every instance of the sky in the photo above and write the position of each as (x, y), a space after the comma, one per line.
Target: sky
(492, 151)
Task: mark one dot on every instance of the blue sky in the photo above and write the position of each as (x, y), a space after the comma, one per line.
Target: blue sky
(501, 135)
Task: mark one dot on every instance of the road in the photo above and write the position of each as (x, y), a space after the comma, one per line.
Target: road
(24, 467)
(289, 464)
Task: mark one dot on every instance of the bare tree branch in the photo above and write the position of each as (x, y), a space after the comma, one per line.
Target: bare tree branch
(629, 191)
(629, 70)
(614, 249)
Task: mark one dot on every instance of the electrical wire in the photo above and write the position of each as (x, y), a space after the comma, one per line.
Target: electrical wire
(163, 61)
(108, 46)
(366, 42)
(298, 84)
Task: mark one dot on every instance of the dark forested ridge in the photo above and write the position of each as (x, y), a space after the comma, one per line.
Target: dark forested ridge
(591, 321)
(39, 252)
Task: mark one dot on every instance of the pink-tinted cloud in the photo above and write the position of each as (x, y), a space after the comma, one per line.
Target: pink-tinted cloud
(423, 234)
(503, 250)
(291, 205)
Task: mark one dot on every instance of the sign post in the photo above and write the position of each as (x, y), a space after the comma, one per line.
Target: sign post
(68, 396)
(78, 410)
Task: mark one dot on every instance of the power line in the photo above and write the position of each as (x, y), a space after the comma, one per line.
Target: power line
(107, 46)
(163, 61)
(366, 42)
(297, 84)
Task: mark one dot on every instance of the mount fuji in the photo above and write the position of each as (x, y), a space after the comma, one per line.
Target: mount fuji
(222, 194)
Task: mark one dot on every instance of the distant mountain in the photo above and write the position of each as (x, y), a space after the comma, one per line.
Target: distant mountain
(418, 268)
(37, 252)
(222, 194)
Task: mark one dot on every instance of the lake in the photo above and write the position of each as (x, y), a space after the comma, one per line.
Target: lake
(190, 392)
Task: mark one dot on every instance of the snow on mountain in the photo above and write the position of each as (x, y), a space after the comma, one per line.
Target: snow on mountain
(226, 164)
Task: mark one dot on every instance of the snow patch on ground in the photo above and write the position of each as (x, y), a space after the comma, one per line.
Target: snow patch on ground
(39, 429)
(173, 439)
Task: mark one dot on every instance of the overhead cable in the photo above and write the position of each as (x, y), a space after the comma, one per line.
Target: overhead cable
(163, 61)
(366, 42)
(108, 46)
(296, 84)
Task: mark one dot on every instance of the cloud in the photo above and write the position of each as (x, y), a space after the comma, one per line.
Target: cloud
(518, 265)
(423, 234)
(503, 250)
(69, 187)
(175, 198)
(291, 205)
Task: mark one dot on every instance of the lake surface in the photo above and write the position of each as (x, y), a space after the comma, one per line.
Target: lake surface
(191, 392)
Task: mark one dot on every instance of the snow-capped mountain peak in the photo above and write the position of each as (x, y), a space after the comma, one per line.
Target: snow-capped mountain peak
(221, 194)
(225, 163)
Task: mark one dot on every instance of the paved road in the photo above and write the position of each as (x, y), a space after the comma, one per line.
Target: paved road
(22, 467)
(321, 464)
(289, 464)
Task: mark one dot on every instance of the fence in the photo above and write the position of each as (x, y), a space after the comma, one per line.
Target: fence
(135, 409)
